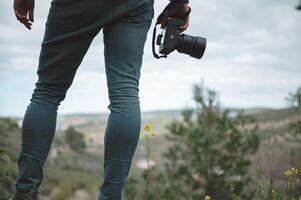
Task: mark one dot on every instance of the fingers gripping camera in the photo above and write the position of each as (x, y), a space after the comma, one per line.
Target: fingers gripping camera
(174, 40)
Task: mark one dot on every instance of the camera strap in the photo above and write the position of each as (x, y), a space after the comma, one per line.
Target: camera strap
(159, 19)
(157, 56)
(154, 45)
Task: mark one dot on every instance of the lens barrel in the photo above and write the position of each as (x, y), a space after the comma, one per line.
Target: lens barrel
(193, 46)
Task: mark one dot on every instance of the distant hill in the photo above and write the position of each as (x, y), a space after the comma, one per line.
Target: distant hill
(275, 114)
(93, 124)
(159, 118)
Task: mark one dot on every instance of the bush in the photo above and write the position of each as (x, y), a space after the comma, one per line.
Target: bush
(62, 192)
(210, 153)
(75, 140)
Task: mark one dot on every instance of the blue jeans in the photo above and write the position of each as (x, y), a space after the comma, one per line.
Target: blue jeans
(70, 28)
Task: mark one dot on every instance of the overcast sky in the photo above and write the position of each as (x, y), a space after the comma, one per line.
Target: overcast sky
(253, 59)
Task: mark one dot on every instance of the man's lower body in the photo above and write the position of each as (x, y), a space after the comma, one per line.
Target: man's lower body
(70, 28)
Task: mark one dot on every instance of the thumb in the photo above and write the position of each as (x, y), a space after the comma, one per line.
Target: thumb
(31, 5)
(163, 21)
(31, 15)
(168, 13)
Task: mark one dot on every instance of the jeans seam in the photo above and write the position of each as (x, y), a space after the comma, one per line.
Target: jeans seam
(119, 160)
(30, 156)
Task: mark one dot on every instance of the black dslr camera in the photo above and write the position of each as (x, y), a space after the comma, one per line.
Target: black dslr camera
(172, 40)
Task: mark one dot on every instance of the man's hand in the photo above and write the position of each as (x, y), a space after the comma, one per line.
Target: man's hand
(177, 10)
(24, 10)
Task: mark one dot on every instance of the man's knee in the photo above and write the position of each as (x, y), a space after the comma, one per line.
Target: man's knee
(125, 107)
(124, 96)
(49, 95)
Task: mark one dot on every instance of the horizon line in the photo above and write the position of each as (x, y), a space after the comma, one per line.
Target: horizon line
(153, 111)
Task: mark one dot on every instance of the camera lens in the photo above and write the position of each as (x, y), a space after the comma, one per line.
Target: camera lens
(193, 46)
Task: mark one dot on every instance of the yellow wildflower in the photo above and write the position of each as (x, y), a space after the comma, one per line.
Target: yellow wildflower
(291, 172)
(207, 197)
(148, 127)
(294, 171)
(288, 173)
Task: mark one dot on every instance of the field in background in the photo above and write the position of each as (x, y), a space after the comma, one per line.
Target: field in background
(84, 170)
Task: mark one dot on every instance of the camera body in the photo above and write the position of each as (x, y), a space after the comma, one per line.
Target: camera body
(174, 40)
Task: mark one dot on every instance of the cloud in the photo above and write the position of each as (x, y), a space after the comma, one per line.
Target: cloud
(252, 59)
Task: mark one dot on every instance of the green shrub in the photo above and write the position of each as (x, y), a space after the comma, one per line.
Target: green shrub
(75, 140)
(210, 153)
(62, 192)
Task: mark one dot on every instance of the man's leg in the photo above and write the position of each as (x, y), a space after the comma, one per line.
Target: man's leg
(65, 43)
(124, 42)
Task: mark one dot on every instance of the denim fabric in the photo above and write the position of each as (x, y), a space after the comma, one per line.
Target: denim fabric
(70, 28)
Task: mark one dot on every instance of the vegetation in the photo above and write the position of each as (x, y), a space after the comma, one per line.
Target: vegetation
(7, 156)
(210, 157)
(269, 192)
(209, 153)
(75, 139)
(295, 125)
(63, 174)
